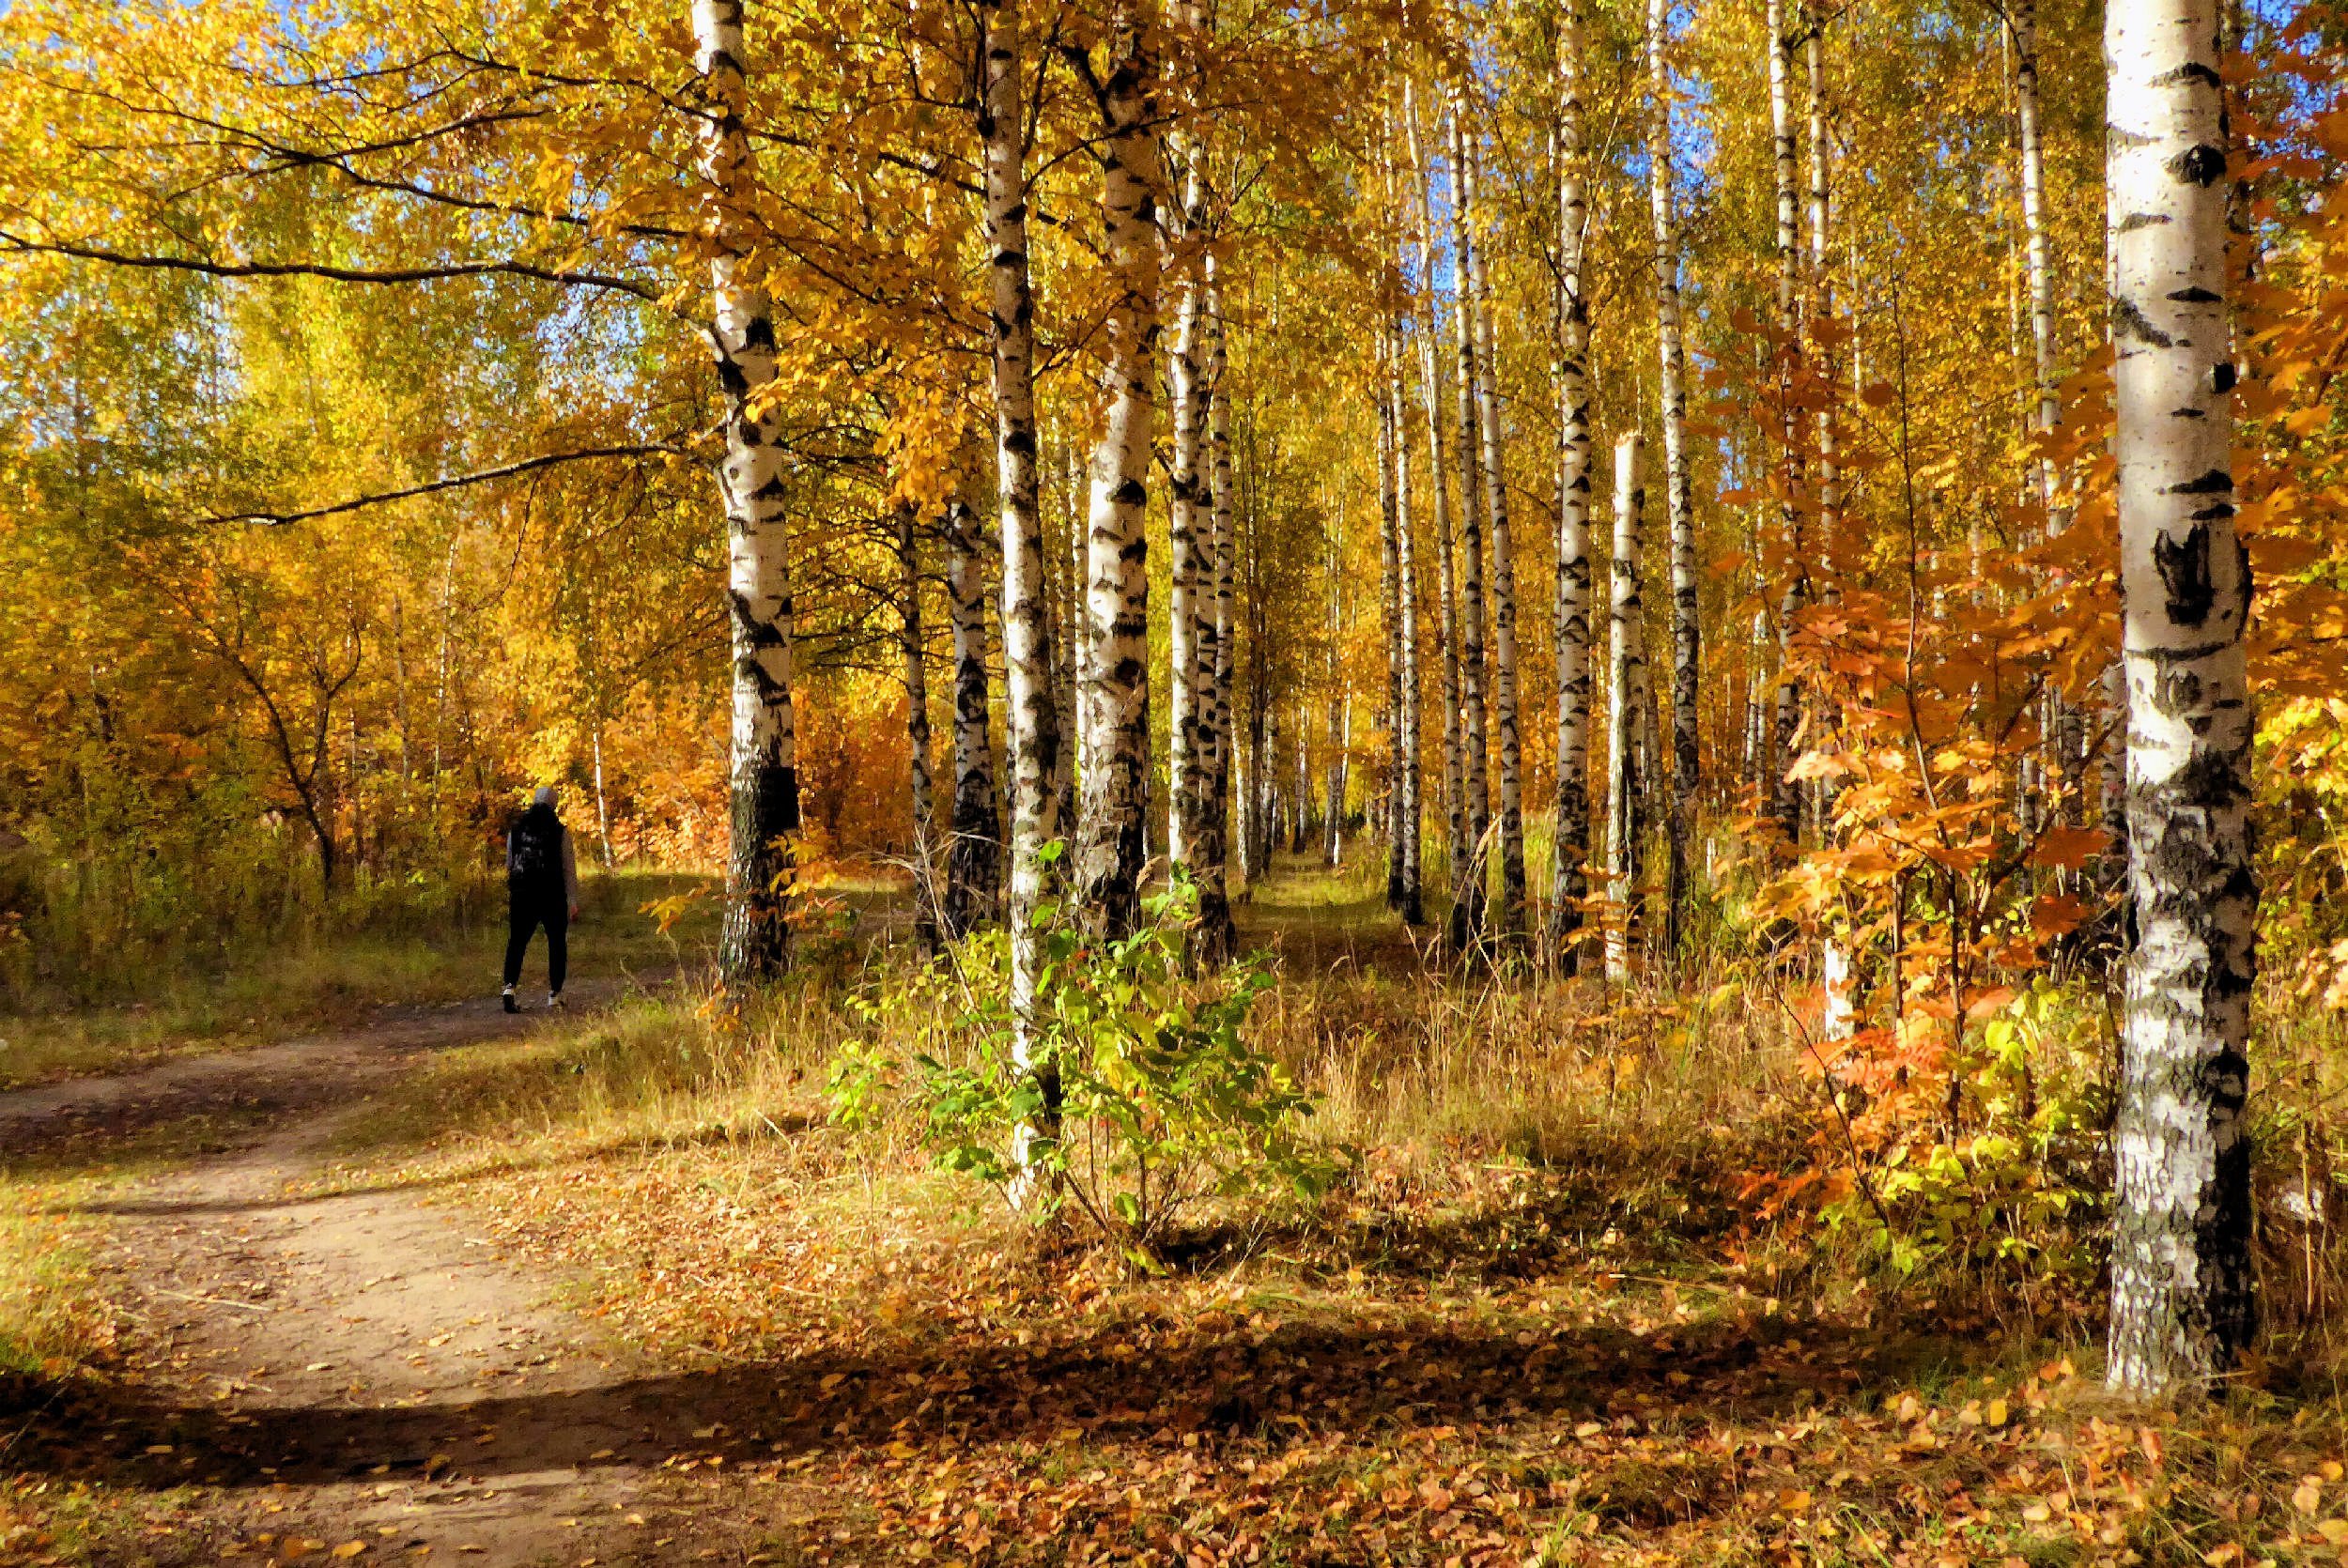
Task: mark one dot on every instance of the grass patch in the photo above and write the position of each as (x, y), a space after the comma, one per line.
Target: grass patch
(321, 982)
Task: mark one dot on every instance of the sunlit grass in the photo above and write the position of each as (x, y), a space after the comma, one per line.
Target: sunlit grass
(318, 981)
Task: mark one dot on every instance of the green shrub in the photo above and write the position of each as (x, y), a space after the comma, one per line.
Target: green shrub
(1141, 1096)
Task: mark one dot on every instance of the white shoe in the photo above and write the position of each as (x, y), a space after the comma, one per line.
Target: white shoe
(510, 1006)
(554, 999)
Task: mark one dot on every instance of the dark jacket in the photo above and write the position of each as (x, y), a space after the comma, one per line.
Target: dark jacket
(541, 821)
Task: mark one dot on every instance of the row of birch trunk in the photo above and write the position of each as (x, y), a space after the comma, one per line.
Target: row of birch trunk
(2182, 1281)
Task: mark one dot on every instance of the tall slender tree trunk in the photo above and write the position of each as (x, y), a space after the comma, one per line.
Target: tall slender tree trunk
(1839, 1018)
(1504, 582)
(1568, 880)
(2182, 1303)
(1114, 786)
(1332, 767)
(1679, 502)
(1626, 682)
(1822, 304)
(1391, 606)
(1784, 792)
(923, 787)
(1064, 561)
(1189, 611)
(1027, 666)
(1468, 912)
(1447, 627)
(763, 780)
(1215, 939)
(1412, 779)
(974, 862)
(2069, 726)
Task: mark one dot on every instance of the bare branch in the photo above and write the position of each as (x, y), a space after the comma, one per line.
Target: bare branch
(451, 481)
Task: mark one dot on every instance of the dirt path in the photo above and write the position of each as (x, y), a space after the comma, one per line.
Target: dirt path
(361, 1368)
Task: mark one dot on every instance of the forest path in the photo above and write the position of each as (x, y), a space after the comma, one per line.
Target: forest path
(357, 1371)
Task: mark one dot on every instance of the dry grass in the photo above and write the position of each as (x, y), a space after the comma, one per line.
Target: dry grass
(314, 982)
(1541, 1323)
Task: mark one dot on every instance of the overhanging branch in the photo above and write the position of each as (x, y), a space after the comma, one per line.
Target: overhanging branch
(451, 482)
(317, 270)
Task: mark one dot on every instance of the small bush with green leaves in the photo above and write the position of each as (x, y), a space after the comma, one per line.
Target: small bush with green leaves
(1138, 1097)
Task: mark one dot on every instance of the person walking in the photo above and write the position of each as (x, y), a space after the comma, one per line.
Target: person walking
(542, 889)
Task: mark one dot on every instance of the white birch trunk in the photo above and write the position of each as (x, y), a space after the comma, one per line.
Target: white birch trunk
(763, 778)
(1390, 605)
(920, 782)
(1569, 881)
(1027, 665)
(2183, 1306)
(1626, 679)
(1447, 629)
(2069, 726)
(1470, 894)
(1067, 623)
(974, 861)
(1510, 831)
(1411, 781)
(1679, 502)
(1840, 1020)
(1189, 613)
(1822, 301)
(1784, 793)
(1215, 939)
(1110, 840)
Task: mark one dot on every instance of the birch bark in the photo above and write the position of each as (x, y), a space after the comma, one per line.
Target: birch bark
(1188, 616)
(1784, 793)
(1447, 629)
(1390, 605)
(1570, 881)
(1687, 634)
(2183, 1306)
(1840, 1016)
(1504, 573)
(1113, 787)
(1027, 665)
(974, 861)
(1626, 679)
(1215, 939)
(763, 780)
(1469, 915)
(1413, 905)
(922, 786)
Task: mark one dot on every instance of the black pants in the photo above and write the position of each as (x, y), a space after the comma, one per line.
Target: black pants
(528, 914)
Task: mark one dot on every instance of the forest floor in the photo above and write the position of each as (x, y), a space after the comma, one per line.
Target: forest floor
(567, 1288)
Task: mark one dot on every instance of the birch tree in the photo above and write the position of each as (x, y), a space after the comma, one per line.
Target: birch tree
(1687, 634)
(922, 785)
(1448, 617)
(1839, 1015)
(1469, 893)
(974, 859)
(1568, 883)
(1411, 782)
(1785, 796)
(1189, 613)
(2038, 271)
(2183, 1306)
(1215, 939)
(763, 772)
(1626, 682)
(1504, 573)
(1115, 692)
(1027, 666)
(1390, 608)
